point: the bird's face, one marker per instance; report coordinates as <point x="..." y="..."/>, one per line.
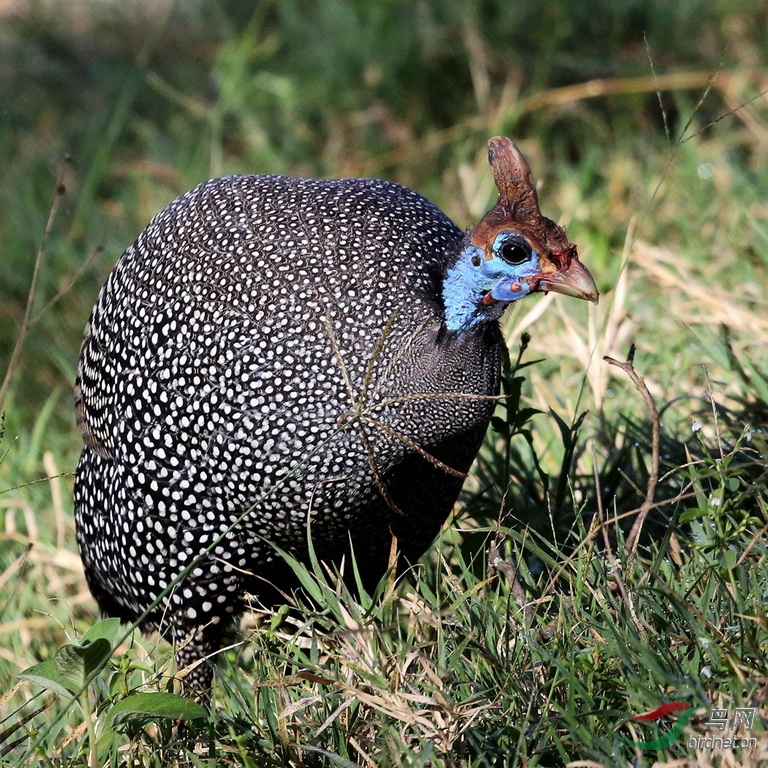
<point x="513" y="251"/>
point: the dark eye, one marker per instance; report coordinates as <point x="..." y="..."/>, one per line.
<point x="515" y="250"/>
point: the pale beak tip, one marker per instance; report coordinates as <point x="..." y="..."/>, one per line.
<point x="575" y="281"/>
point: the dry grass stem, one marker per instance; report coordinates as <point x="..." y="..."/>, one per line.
<point x="58" y="196"/>
<point x="653" y="471"/>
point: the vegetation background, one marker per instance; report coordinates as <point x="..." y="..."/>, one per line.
<point x="646" y="125"/>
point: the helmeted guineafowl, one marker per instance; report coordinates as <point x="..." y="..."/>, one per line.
<point x="274" y="356"/>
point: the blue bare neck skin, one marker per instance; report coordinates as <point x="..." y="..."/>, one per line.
<point x="472" y="277"/>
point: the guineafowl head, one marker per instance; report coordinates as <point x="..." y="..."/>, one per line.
<point x="513" y="251"/>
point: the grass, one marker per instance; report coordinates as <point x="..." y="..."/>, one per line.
<point x="530" y="633"/>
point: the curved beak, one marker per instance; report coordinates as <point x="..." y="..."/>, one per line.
<point x="574" y="281"/>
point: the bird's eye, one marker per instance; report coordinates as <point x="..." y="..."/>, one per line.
<point x="515" y="251"/>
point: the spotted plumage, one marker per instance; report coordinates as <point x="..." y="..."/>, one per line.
<point x="274" y="356"/>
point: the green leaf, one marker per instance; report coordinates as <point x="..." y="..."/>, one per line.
<point x="500" y="426"/>
<point x="46" y="674"/>
<point x="305" y="577"/>
<point x="72" y="665"/>
<point x="333" y="759"/>
<point x="151" y="706"/>
<point x="524" y="415"/>
<point x="565" y="428"/>
<point x="279" y="616"/>
<point x="729" y="558"/>
<point x="106" y="629"/>
<point x="691" y="514"/>
<point x="76" y="663"/>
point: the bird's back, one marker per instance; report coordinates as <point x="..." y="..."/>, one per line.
<point x="269" y="358"/>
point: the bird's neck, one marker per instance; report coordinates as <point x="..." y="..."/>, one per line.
<point x="463" y="289"/>
<point x="461" y="298"/>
